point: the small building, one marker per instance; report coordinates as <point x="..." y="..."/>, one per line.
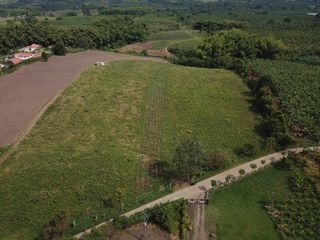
<point x="99" y="64"/>
<point x="14" y="61"/>
<point x="31" y="48"/>
<point x="312" y="14"/>
<point x="24" y="55"/>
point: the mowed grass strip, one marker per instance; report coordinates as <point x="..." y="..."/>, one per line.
<point x="89" y="141"/>
<point x="238" y="211"/>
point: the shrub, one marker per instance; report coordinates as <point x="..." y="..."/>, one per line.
<point x="229" y="178"/>
<point x="44" y="56"/>
<point x="216" y="160"/>
<point x="248" y="150"/>
<point x="84" y="43"/>
<point x="56" y="227"/>
<point x="120" y="222"/>
<point x="213" y="183"/>
<point x="145" y="52"/>
<point x="242" y="171"/>
<point x="253" y="166"/>
<point x="271" y="144"/>
<point x="71" y="14"/>
<point x="59" y="49"/>
<point x="189" y="159"/>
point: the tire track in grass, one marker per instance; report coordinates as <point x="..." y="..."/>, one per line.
<point x="150" y="147"/>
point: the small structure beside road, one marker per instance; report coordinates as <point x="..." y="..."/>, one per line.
<point x="24" y="53"/>
<point x="99" y="64"/>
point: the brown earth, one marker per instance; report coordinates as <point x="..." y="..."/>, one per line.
<point x="136" y="47"/>
<point x="141" y="46"/>
<point x="139" y="231"/>
<point x="26" y="91"/>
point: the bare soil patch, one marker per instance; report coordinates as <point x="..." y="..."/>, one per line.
<point x="26" y="91"/>
<point x="141" y="46"/>
<point x="160" y="53"/>
<point x="136" y="47"/>
<point x="139" y="231"/>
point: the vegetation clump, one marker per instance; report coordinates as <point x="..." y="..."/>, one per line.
<point x="191" y="159"/>
<point x="296" y="215"/>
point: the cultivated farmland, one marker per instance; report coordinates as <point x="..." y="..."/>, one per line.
<point x="298" y="87"/>
<point x="90" y="143"/>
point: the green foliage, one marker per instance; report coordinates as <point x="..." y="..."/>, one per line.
<point x="171" y="216"/>
<point x="210" y="26"/>
<point x="174" y="218"/>
<point x="106" y="33"/>
<point x="248" y="150"/>
<point x="297" y="88"/>
<point x="225" y="47"/>
<point x="71" y="14"/>
<point x="59" y="49"/>
<point x="134" y="11"/>
<point x="189" y="159"/>
<point x="84" y="42"/>
<point x="270" y="144"/>
<point x="216" y="160"/>
<point x="44" y="56"/>
<point x="242" y="171"/>
<point x="213" y="183"/>
<point x="253" y="166"/>
<point x="56" y="227"/>
<point x="297" y="215"/>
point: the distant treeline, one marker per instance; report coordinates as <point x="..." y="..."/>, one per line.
<point x="135" y="11"/>
<point x="212" y="26"/>
<point x="106" y="33"/>
<point x="230" y="49"/>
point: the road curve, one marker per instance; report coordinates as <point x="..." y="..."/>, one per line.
<point x="26" y="91"/>
<point x="198" y="189"/>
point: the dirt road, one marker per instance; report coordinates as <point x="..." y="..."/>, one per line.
<point x="26" y="91"/>
<point x="199" y="189"/>
<point x="197" y="216"/>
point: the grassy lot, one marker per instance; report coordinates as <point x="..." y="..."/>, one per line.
<point x="75" y="21"/>
<point x="90" y="141"/>
<point x="238" y="211"/>
<point x="179" y="38"/>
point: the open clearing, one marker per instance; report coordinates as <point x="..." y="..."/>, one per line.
<point x="90" y="141"/>
<point x="27" y="90"/>
<point x="237" y="212"/>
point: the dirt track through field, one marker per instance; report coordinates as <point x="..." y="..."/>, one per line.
<point x="26" y="91"/>
<point x="197" y="215"/>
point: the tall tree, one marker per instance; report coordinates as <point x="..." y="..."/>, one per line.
<point x="189" y="159"/>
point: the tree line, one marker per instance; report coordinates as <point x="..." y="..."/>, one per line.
<point x="103" y="34"/>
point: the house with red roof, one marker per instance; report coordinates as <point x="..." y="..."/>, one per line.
<point x="24" y="55"/>
<point x="31" y="48"/>
<point x="14" y="61"/>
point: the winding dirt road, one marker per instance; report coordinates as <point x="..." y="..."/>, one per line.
<point x="24" y="93"/>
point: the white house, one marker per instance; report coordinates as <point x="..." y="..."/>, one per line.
<point x="32" y="48"/>
<point x="24" y="55"/>
<point x="312" y="14"/>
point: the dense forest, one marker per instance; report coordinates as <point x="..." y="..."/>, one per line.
<point x="106" y="33"/>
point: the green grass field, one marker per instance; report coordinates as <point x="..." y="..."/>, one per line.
<point x="184" y="39"/>
<point x="238" y="211"/>
<point x="90" y="140"/>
